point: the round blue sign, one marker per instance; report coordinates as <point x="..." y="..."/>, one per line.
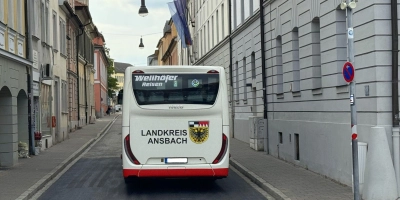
<point x="348" y="72"/>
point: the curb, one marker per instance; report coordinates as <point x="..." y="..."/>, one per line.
<point x="273" y="191"/>
<point x="48" y="177"/>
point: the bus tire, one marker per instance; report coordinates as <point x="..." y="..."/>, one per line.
<point x="130" y="180"/>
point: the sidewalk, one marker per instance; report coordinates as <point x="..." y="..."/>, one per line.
<point x="23" y="180"/>
<point x="283" y="180"/>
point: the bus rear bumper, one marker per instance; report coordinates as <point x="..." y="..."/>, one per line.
<point x="176" y="173"/>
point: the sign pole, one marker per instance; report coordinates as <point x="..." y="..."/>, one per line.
<point x="353" y="107"/>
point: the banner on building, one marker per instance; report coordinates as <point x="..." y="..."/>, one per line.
<point x="177" y="9"/>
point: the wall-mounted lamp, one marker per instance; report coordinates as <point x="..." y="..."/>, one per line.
<point x="143" y="10"/>
<point x="351" y="5"/>
<point x="141" y="46"/>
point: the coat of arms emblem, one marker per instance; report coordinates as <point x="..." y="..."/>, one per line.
<point x="198" y="131"/>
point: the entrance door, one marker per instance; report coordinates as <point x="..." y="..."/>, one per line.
<point x="57" y="108"/>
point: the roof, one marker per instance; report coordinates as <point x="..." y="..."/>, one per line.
<point x="120" y="67"/>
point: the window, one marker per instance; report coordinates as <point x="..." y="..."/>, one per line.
<point x="64" y="103"/>
<point x="279" y="70"/>
<point x="253" y="65"/>
<point x="223" y="21"/>
<point x="237" y="82"/>
<point x="296" y="146"/>
<point x="11" y="41"/>
<point x="184" y="89"/>
<point x="2" y="36"/>
<point x="96" y="75"/>
<point x="204" y="40"/>
<point x="217" y="22"/>
<point x="11" y="14"/>
<point x="47" y="22"/>
<point x="63" y="37"/>
<point x="233" y="15"/>
<point x="55" y="45"/>
<point x="208" y="37"/>
<point x="280" y="138"/>
<point x="295" y="61"/>
<point x="239" y="12"/>
<point x="244" y="79"/>
<point x="246" y="9"/>
<point x="43" y="21"/>
<point x="212" y="30"/>
<point x="2" y="13"/>
<point x="316" y="54"/>
<point x="256" y="6"/>
<point x="201" y="43"/>
<point x="20" y="46"/>
<point x="19" y="15"/>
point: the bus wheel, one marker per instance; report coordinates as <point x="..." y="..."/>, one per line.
<point x="130" y="180"/>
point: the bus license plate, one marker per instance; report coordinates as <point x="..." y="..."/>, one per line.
<point x="176" y="160"/>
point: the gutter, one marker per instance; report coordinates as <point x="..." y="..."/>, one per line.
<point x="231" y="70"/>
<point x="264" y="76"/>
<point x="395" y="93"/>
<point x="29" y="69"/>
<point x="395" y="67"/>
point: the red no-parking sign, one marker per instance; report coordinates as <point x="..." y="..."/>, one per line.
<point x="348" y="72"/>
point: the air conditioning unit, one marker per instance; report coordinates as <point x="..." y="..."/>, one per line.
<point x="47" y="72"/>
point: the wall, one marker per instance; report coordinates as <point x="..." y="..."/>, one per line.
<point x="246" y="57"/>
<point x="312" y="100"/>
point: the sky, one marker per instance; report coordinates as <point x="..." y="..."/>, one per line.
<point x="121" y="26"/>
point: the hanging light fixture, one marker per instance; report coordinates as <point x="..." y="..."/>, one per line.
<point x="141" y="46"/>
<point x="143" y="10"/>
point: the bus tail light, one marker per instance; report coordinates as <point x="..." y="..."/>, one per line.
<point x="223" y="149"/>
<point x="213" y="72"/>
<point x="128" y="151"/>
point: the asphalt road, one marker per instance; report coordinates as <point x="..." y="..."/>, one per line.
<point x="98" y="175"/>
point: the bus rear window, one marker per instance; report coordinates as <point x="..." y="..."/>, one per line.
<point x="175" y="88"/>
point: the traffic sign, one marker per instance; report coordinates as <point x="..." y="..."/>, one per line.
<point x="348" y="72"/>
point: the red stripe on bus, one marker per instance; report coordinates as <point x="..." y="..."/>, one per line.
<point x="221" y="172"/>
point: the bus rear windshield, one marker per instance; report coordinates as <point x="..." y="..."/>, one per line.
<point x="175" y="88"/>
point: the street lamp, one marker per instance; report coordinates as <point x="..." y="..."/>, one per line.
<point x="143" y="10"/>
<point x="141" y="46"/>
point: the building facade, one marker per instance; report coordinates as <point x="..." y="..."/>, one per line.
<point x="286" y="60"/>
<point x="208" y="22"/>
<point x="100" y="77"/>
<point x="14" y="73"/>
<point x="85" y="68"/>
<point x="167" y="45"/>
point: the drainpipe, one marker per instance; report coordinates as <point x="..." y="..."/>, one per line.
<point x="77" y="68"/>
<point x="86" y="103"/>
<point x="395" y="92"/>
<point x="29" y="70"/>
<point x="231" y="69"/>
<point x="264" y="75"/>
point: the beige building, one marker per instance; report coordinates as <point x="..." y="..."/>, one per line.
<point x="14" y="66"/>
<point x="120" y="73"/>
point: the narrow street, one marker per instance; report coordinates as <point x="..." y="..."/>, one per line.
<point x="98" y="175"/>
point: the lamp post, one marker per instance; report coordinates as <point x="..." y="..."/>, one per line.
<point x="349" y="5"/>
<point x="141" y="46"/>
<point x="143" y="10"/>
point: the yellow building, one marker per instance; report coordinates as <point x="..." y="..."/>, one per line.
<point x="120" y="73"/>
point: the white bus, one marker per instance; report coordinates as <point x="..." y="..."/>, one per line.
<point x="175" y="122"/>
